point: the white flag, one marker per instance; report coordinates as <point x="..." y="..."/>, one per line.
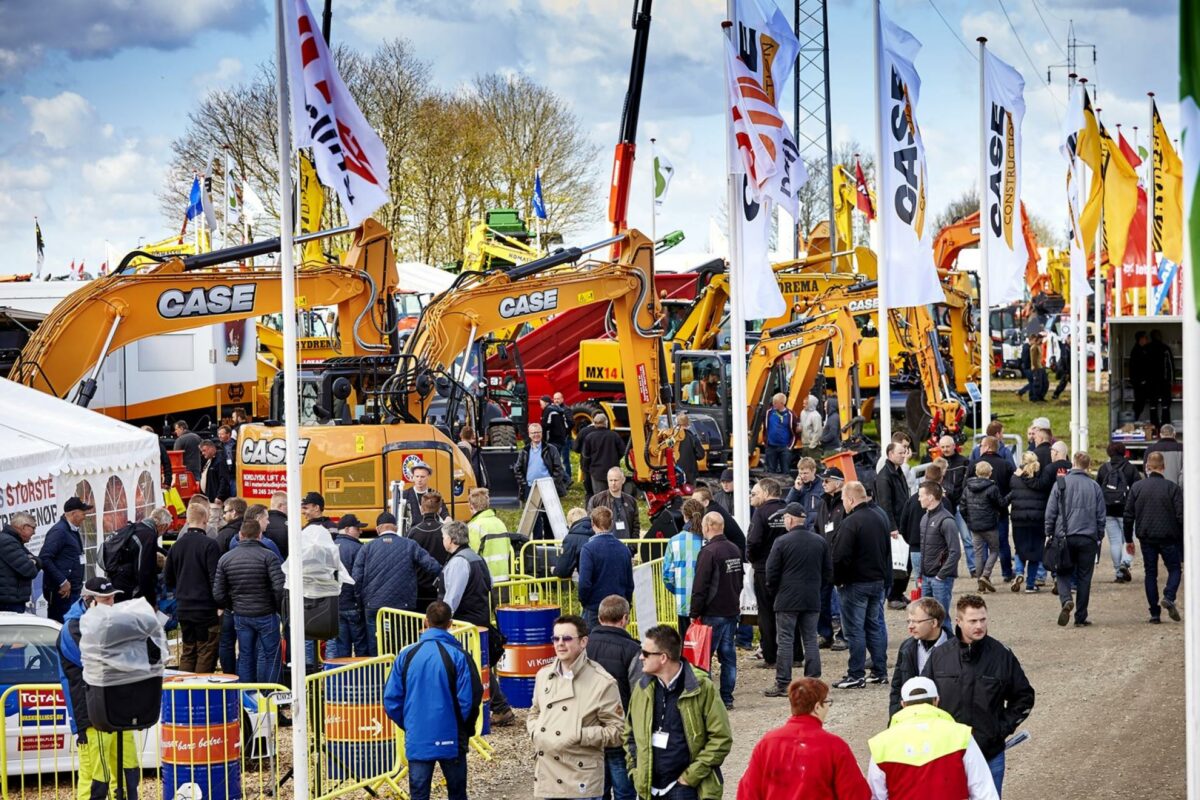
<point x="762" y="152"/>
<point x="663" y="172"/>
<point x="1072" y="124"/>
<point x="907" y="270"/>
<point x="1004" y="109"/>
<point x="349" y="156"/>
<point x="253" y="205"/>
<point x="206" y="201"/>
<point x="233" y="200"/>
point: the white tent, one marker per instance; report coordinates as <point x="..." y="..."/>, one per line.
<point x="421" y="278"/>
<point x="53" y="450"/>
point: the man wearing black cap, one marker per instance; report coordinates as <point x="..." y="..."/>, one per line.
<point x="387" y="572"/>
<point x="797" y="569"/>
<point x="62" y="559"/>
<point x="97" y="751"/>
<point x="766" y="525"/>
<point x="723" y="496"/>
<point x="829" y="516"/>
<point x="312" y="508"/>
<point x="421" y="473"/>
<point x="352" y="630"/>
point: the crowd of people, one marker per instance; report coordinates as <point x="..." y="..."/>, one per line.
<point x="823" y="557"/>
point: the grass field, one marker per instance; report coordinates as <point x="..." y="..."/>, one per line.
<point x="1014" y="411"/>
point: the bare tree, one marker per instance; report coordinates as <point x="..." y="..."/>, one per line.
<point x="966" y="204"/>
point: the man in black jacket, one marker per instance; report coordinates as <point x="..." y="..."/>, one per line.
<point x="214" y="475"/>
<point x="611" y="646"/>
<point x="799" y="565"/>
<point x="421" y="473"/>
<point x="766" y="525"/>
<point x="891" y="493"/>
<point x="233" y="513"/>
<point x="18" y="567"/>
<point x="624" y="508"/>
<point x="140" y="579"/>
<point x="190" y="570"/>
<point x="981" y="683"/>
<point x="716" y="597"/>
<point x="926" y="630"/>
<point x="428" y="533"/>
<point x="557" y="427"/>
<point x="250" y="582"/>
<point x="830" y="512"/>
<point x="277" y="523"/>
<point x="733" y="531"/>
<point x="1002" y="472"/>
<point x="953" y="482"/>
<point x="1154" y="511"/>
<point x="602" y="450"/>
<point x="862" y="563"/>
<point x="578" y="532"/>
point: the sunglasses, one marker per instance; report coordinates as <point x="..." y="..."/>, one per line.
<point x="651" y="653"/>
<point x="919" y="621"/>
<point x="563" y="639"/>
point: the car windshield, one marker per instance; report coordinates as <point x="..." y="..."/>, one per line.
<point x="28" y="654"/>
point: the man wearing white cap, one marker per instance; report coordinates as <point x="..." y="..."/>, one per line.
<point x="925" y="754"/>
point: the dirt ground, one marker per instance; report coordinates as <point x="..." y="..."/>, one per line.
<point x="1108" y="721"/>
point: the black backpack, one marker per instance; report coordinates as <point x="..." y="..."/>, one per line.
<point x="119" y="557"/>
<point x="1115" y="487"/>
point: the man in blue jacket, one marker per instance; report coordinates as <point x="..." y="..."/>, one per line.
<point x="385" y="575"/>
<point x="434" y="695"/>
<point x="780" y="435"/>
<point x="605" y="567"/>
<point x="62" y="559"/>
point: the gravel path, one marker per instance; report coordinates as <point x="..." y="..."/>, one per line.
<point x="1108" y="721"/>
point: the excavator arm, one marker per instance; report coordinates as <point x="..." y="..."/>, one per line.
<point x="480" y="303"/>
<point x="127" y="306"/>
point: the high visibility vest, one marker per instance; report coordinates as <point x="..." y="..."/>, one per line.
<point x="497" y="549"/>
<point x="921" y="754"/>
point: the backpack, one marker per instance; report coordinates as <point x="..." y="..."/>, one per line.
<point x="1115" y="487"/>
<point x="119" y="557"/>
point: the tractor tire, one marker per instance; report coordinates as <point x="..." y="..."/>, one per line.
<point x="581" y="415"/>
<point x="502" y="434"/>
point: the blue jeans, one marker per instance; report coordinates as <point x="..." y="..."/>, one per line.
<point x="564" y="450"/>
<point x="1021" y="568"/>
<point x="942" y="590"/>
<point x="372" y="642"/>
<point x="352" y="636"/>
<point x="725" y="650"/>
<point x="1006" y="561"/>
<point x="258" y="648"/>
<point x="454" y="770"/>
<point x="777" y="458"/>
<point x="16" y="608"/>
<point x="862" y="607"/>
<point x="1114" y="528"/>
<point x="915" y="556"/>
<point x="996" y="766"/>
<point x="1172" y="556"/>
<point x="617" y="783"/>
<point x="227" y="645"/>
<point x="745" y="636"/>
<point x="968" y="543"/>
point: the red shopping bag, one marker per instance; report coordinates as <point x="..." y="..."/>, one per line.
<point x="697" y="646"/>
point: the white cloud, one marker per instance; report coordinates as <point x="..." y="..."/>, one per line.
<point x="129" y="172"/>
<point x="62" y="120"/>
<point x="227" y="71"/>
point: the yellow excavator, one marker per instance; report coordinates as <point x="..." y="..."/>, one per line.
<point x="371" y="406"/>
<point x="66" y="353"/>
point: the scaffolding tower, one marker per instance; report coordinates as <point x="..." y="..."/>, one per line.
<point x="814" y="131"/>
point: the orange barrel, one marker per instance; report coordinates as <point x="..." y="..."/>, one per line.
<point x="485" y="675"/>
<point x="358" y="734"/>
<point x="843" y="460"/>
<point x="202" y="739"/>
<point x="527" y="630"/>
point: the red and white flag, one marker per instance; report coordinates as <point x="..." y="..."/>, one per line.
<point x="862" y="192"/>
<point x="349" y="156"/>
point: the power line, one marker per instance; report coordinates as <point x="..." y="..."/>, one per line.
<point x="1038" y="9"/>
<point x="1029" y="58"/>
<point x="953" y="32"/>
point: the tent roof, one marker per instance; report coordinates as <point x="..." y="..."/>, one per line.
<point x="42" y="429"/>
<point x="422" y="278"/>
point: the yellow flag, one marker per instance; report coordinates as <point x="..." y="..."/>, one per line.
<point x="1120" y="198"/>
<point x="312" y="205"/>
<point x="1091" y="153"/>
<point x="844" y="195"/>
<point x="1168" y="194"/>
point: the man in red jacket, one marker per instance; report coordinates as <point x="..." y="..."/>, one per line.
<point x="801" y="760"/>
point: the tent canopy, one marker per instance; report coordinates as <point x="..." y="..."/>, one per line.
<point x="422" y="278"/>
<point x="41" y="430"/>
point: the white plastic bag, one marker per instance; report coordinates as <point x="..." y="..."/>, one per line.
<point x="113" y="643"/>
<point x="324" y="572"/>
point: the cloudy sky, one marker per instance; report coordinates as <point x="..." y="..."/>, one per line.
<point x="93" y="91"/>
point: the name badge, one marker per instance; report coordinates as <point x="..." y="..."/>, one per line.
<point x="829" y="527"/>
<point x="82" y="560"/>
<point x="659" y="739"/>
<point x="621" y="525"/>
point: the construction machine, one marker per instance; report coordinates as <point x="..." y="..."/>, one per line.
<point x="66" y="354"/>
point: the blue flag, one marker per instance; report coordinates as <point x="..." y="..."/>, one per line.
<point x="195" y="201"/>
<point x="539" y="206"/>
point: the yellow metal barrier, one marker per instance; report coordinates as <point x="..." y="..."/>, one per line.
<point x="561" y="592"/>
<point x="538" y="557"/>
<point x="217" y="740"/>
<point x="351" y="742"/>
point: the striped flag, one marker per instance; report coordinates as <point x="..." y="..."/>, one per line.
<point x="41" y="246"/>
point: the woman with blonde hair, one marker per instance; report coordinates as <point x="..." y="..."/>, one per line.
<point x="1027" y="515"/>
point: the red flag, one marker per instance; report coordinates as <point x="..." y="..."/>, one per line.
<point x="71" y="269"/>
<point x="1135" y="246"/>
<point x="1128" y="152"/>
<point x="863" y="194"/>
<point x="104" y="268"/>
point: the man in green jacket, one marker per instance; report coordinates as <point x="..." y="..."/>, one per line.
<point x="677" y="731"/>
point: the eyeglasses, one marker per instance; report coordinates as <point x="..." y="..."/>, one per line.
<point x="827" y="702"/>
<point x="563" y="639"/>
<point x="651" y="653"/>
<point x="919" y="621"/>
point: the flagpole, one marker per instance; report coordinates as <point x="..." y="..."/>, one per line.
<point x="1074" y="198"/>
<point x="225" y="194"/>
<point x="740" y="429"/>
<point x="653" y="193"/>
<point x="880" y="234"/>
<point x="985" y="322"/>
<point x="1150" y="198"/>
<point x="291" y="404"/>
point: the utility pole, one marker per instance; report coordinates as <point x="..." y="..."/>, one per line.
<point x="812" y="120"/>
